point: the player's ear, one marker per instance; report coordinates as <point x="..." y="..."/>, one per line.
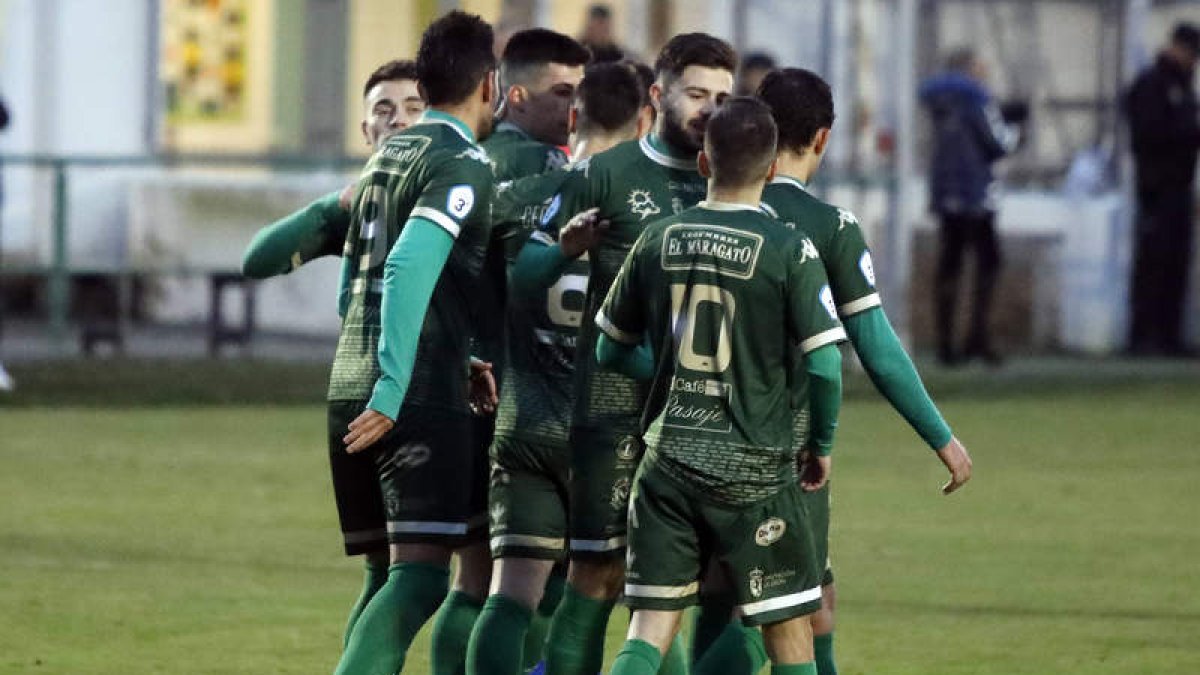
<point x="702" y="165"/>
<point x="572" y="120"/>
<point x="362" y="126"/>
<point x="516" y="95"/>
<point x="656" y="94"/>
<point x="771" y="169"/>
<point x="820" y="141"/>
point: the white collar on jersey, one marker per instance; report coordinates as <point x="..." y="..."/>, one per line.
<point x="788" y="180"/>
<point x="727" y="206"/>
<point x="659" y="157"/>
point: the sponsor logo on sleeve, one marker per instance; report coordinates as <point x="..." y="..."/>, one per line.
<point x="867" y="267"/>
<point x="460" y="201"/>
<point x="552" y="209"/>
<point x="827" y="301"/>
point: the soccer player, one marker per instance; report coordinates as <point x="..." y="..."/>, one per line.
<point x="802" y="106"/>
<point x="528" y="488"/>
<point x="723" y="292"/>
<point x="539" y="72"/>
<point x="627" y="187"/>
<point x="391" y="103"/>
<point x="419" y="230"/>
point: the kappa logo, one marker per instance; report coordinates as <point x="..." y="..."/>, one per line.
<point x="642" y="204"/>
<point x="756" y="582"/>
<point x="498" y="512"/>
<point x="770" y="531"/>
<point x="411" y="456"/>
<point x="867" y="267"/>
<point x="808" y="251"/>
<point x="845" y="217"/>
<point x="476" y="153"/>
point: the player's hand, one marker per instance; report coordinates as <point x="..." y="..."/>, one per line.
<point x="346" y="198"/>
<point x="582" y="232"/>
<point x="814" y="471"/>
<point x="367" y="428"/>
<point x="957" y="462"/>
<point x="481" y="388"/>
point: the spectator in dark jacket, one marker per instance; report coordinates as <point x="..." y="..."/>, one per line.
<point x="1165" y="131"/>
<point x="969" y="135"/>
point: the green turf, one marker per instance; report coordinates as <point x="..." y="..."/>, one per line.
<point x="203" y="539"/>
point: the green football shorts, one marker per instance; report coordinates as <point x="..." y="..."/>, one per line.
<point x="433" y="478"/>
<point x="527" y="499"/>
<point x="766" y="549"/>
<point x="602" y="468"/>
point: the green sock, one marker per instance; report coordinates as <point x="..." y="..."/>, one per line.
<point x="575" y="645"/>
<point x="712" y="617"/>
<point x="374" y="578"/>
<point x="539" y="624"/>
<point x="738" y="651"/>
<point x="637" y="657"/>
<point x="675" y="661"/>
<point x="451" y="632"/>
<point x="496" y="641"/>
<point x="809" y="668"/>
<point x="391" y="619"/>
<point x="823" y="652"/>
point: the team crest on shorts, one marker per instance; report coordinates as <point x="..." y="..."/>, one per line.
<point x="620" y="494"/>
<point x="756" y="582"/>
<point x="770" y="531"/>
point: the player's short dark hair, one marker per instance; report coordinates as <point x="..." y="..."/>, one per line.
<point x="959" y="59"/>
<point x="454" y="57"/>
<point x="645" y="76"/>
<point x="693" y="49"/>
<point x="599" y="10"/>
<point x="757" y="60"/>
<point x="397" y="69"/>
<point x="533" y="48"/>
<point x="801" y="103"/>
<point x="609" y="97"/>
<point x="740" y="142"/>
<point x="1187" y="35"/>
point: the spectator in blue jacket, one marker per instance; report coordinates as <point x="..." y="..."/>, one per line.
<point x="969" y="136"/>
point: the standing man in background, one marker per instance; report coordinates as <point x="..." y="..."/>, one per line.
<point x="969" y="136"/>
<point x="1165" y="133"/>
<point x="6" y="381"/>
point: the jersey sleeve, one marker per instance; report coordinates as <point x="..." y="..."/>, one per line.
<point x="850" y="269"/>
<point x="579" y="192"/>
<point x="458" y="194"/>
<point x="622" y="317"/>
<point x="812" y="314"/>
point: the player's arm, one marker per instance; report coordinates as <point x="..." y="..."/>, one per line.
<point x="852" y="276"/>
<point x="316" y="230"/>
<point x="621" y="345"/>
<point x="417" y="258"/>
<point x="543" y="259"/>
<point x="813" y="324"/>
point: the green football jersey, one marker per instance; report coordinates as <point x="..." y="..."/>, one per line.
<point x="839" y="239"/>
<point x="540" y="330"/>
<point x="736" y="292"/>
<point x="633" y="185"/>
<point x="432" y="170"/>
<point x="515" y="154"/>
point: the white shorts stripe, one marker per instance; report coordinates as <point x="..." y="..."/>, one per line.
<point x="615" y="333"/>
<point x="862" y="304"/>
<point x="821" y="339"/>
<point x="442" y="220"/>
<point x="597" y="545"/>
<point x="425" y="527"/>
<point x="528" y="541"/>
<point x="661" y="592"/>
<point x="782" y="602"/>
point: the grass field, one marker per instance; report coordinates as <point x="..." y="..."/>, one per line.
<point x="202" y="539"/>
